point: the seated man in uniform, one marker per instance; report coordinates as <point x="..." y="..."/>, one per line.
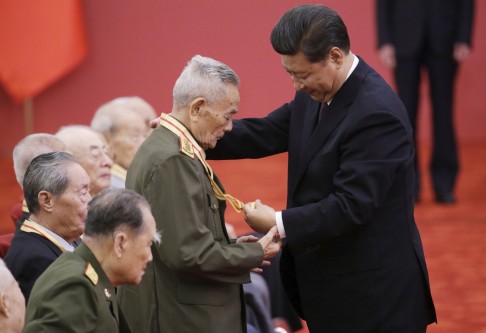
<point x="91" y="151"/>
<point x="124" y="130"/>
<point x="77" y="292"/>
<point x="56" y="190"/>
<point x="12" y="303"/>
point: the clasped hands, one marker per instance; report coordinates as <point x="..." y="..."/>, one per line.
<point x="261" y="218"/>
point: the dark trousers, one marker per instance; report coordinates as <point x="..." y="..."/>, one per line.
<point x="441" y="71"/>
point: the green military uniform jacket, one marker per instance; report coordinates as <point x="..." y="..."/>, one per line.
<point x="194" y="283"/>
<point x="74" y="295"/>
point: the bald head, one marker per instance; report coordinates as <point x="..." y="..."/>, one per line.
<point x="123" y="128"/>
<point x="91" y="151"/>
<point x="12" y="303"/>
<point x="134" y="103"/>
<point x="30" y="147"/>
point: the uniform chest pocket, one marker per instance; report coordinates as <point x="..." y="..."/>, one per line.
<point x="214" y="218"/>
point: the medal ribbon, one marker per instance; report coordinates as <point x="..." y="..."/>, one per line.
<point x="29" y="226"/>
<point x="178" y="129"/>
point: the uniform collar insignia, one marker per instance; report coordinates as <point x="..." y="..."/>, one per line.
<point x="91" y="273"/>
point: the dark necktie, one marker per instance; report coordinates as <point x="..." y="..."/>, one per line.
<point x="324" y="108"/>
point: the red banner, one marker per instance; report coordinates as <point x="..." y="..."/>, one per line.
<point x="40" y="41"/>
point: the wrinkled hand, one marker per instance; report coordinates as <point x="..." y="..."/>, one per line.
<point x="259" y="217"/>
<point x="265" y="263"/>
<point x="247" y="239"/>
<point x="271" y="243"/>
<point x="253" y="239"/>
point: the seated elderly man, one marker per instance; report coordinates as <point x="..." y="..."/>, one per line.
<point x="124" y="129"/>
<point x="77" y="292"/>
<point x="91" y="151"/>
<point x="56" y="190"/>
<point x="12" y="303"/>
<point x="24" y="152"/>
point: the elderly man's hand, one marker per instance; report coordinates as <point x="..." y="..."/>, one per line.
<point x="271" y="243"/>
<point x="259" y="217"/>
<point x="254" y="239"/>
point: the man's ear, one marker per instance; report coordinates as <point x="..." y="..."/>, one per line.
<point x="336" y="56"/>
<point x="3" y="305"/>
<point x="120" y="243"/>
<point x="196" y="106"/>
<point x="45" y="200"/>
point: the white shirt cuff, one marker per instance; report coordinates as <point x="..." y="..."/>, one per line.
<point x="280" y="226"/>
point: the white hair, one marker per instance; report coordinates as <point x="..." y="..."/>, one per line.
<point x="203" y="77"/>
<point x="30" y="147"/>
<point x="104" y="119"/>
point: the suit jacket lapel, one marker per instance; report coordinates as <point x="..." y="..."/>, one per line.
<point x="328" y="123"/>
<point x="310" y="124"/>
<point x="332" y="118"/>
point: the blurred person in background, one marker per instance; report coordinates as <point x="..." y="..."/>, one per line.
<point x="124" y="130"/>
<point x="139" y="105"/>
<point x="434" y="35"/>
<point x="91" y="151"/>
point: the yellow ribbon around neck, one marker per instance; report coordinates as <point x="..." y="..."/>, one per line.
<point x="29" y="226"/>
<point x="190" y="147"/>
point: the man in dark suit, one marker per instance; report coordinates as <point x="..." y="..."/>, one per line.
<point x="435" y="35"/>
<point x="353" y="259"/>
<point x="77" y="292"/>
<point x="56" y="189"/>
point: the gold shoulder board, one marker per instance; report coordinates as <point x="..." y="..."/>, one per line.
<point x="91" y="273"/>
<point x="186" y="147"/>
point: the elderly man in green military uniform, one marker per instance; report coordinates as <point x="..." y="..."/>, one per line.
<point x="195" y="281"/>
<point x="77" y="292"/>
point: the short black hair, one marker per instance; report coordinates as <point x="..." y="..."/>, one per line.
<point x="311" y="29"/>
<point x="113" y="208"/>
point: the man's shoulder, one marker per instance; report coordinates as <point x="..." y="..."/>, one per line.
<point x="31" y="244"/>
<point x="67" y="267"/>
<point x="157" y="150"/>
<point x="158" y="146"/>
